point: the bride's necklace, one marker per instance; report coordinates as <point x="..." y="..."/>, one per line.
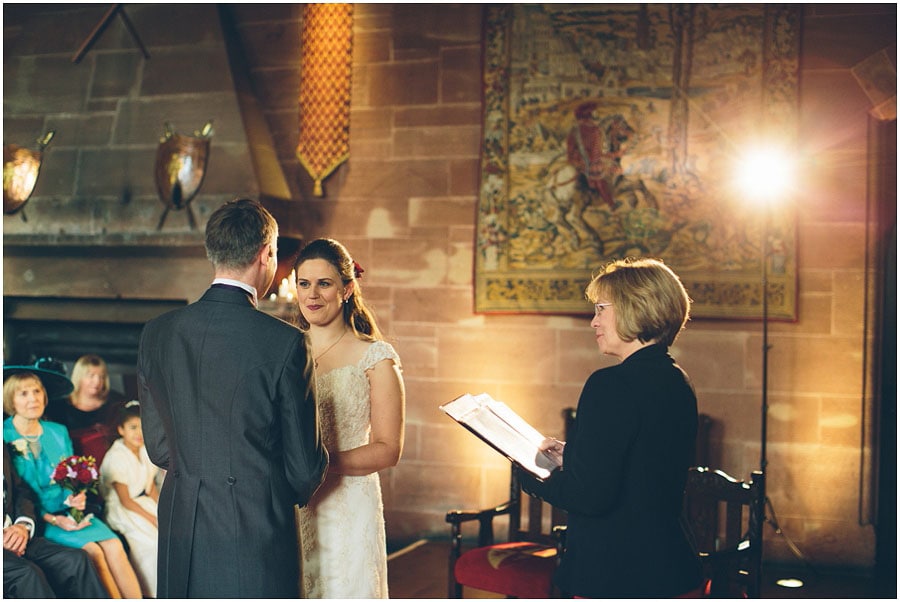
<point x="329" y="348"/>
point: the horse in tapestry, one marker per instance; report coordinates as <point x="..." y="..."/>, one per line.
<point x="590" y="172"/>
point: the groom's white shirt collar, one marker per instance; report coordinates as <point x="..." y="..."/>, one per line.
<point x="250" y="289"/>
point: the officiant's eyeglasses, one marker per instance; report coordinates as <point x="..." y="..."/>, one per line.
<point x="599" y="307"/>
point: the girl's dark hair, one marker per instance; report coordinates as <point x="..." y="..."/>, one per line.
<point x="127" y="411"/>
<point x="356" y="313"/>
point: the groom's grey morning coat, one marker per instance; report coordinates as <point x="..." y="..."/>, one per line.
<point x="228" y="409"/>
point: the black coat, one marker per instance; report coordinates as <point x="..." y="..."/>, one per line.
<point x="228" y="409"/>
<point x="623" y="480"/>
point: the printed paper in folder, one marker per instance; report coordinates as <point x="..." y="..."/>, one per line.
<point x="500" y="427"/>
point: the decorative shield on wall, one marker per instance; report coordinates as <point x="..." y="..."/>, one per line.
<point x="180" y="168"/>
<point x="21" y="167"/>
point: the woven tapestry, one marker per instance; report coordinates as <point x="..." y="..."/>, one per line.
<point x="326" y="62"/>
<point x="610" y="132"/>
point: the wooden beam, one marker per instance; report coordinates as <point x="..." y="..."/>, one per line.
<point x="115" y="9"/>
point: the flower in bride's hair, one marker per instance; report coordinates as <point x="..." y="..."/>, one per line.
<point x="357" y="270"/>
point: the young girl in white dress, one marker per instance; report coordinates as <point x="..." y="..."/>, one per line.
<point x="128" y="486"/>
<point x="361" y="402"/>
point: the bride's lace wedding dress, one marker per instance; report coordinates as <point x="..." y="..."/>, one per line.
<point x="341" y="530"/>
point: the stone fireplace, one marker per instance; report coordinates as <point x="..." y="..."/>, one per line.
<point x="65" y="300"/>
<point x="67" y="327"/>
<point x="88" y="259"/>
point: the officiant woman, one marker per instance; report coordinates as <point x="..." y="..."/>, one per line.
<point x="625" y="466"/>
<point x="38" y="445"/>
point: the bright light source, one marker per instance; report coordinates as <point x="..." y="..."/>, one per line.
<point x="764" y="174"/>
<point x="790" y="582"/>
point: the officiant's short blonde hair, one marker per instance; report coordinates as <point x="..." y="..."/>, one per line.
<point x="651" y="303"/>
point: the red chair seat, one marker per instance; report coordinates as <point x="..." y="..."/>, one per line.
<point x="521" y="569"/>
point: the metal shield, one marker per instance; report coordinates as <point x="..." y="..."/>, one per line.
<point x="180" y="169"/>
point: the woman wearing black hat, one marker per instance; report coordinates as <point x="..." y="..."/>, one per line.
<point x="38" y="446"/>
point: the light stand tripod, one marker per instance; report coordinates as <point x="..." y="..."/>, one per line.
<point x="763" y="461"/>
<point x="768" y="511"/>
<point x="776" y="166"/>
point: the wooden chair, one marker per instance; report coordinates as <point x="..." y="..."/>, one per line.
<point x="523" y="565"/>
<point x="724" y="518"/>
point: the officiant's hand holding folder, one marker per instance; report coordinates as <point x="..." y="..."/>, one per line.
<point x="499" y="426"/>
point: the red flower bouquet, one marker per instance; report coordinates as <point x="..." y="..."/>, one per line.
<point x="77" y="474"/>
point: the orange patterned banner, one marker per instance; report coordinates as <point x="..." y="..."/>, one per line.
<point x="326" y="61"/>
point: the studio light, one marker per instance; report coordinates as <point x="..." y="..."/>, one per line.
<point x="764" y="175"/>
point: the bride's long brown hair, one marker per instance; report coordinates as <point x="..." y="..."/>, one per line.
<point x="356" y="313"/>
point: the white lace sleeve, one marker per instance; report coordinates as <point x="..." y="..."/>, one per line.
<point x="377" y="351"/>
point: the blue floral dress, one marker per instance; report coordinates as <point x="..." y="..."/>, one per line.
<point x="36" y="470"/>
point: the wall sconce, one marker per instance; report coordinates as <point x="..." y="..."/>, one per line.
<point x="180" y="168"/>
<point x="20" y="172"/>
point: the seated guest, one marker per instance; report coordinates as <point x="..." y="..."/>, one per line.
<point x="128" y="485"/>
<point x="34" y="567"/>
<point x="91" y="411"/>
<point x="38" y="446"/>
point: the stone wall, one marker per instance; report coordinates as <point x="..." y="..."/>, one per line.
<point x="404" y="204"/>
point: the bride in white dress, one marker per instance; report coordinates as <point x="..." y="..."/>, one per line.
<point x="361" y="402"/>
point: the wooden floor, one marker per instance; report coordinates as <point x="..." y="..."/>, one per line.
<point x="419" y="571"/>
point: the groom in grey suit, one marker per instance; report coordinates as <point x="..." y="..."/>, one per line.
<point x="228" y="409"/>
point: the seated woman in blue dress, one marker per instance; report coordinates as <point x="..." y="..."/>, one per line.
<point x="39" y="446"/>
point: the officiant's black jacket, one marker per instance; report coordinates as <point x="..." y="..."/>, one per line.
<point x="622" y="482"/>
<point x="228" y="409"/>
